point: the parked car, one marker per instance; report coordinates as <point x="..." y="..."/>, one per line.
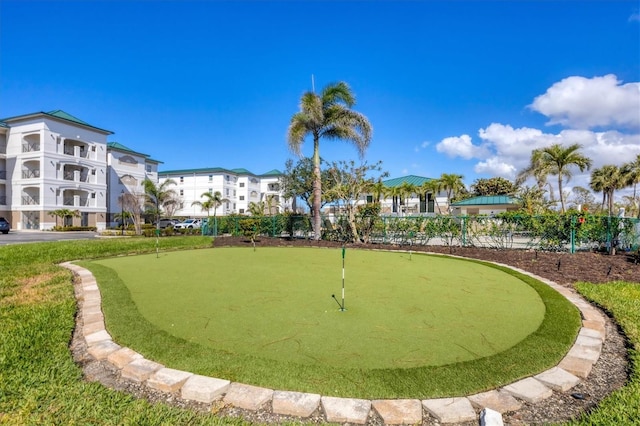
<point x="165" y="223"/>
<point x="188" y="224"/>
<point x="5" y="226"/>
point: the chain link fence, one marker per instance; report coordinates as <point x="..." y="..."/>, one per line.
<point x="552" y="232"/>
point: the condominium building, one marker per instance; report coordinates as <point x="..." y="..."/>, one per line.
<point x="127" y="170"/>
<point x="51" y="161"/>
<point x="238" y="188"/>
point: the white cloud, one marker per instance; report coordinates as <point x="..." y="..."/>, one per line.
<point x="422" y="146"/>
<point x="494" y="166"/>
<point x="635" y="17"/>
<point x="460" y="146"/>
<point x="584" y="103"/>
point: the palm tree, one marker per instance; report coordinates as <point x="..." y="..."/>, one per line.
<point x="433" y="186"/>
<point x="406" y="189"/>
<point x="451" y="183"/>
<point x="205" y="205"/>
<point x="558" y="160"/>
<point x="378" y="189"/>
<point x="607" y="179"/>
<point x="536" y="169"/>
<point x="632" y="173"/>
<point x="158" y="196"/>
<point x="327" y="115"/>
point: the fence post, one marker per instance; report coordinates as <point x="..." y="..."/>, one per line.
<point x="464" y="231"/>
<point x="609" y="234"/>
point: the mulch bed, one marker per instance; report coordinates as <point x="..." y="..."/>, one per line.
<point x="608" y="374"/>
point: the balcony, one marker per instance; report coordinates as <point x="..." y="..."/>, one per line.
<point x="76" y="176"/>
<point x="31" y="174"/>
<point x="80" y="151"/>
<point x="30" y="146"/>
<point x="30" y="201"/>
<point x="78" y="201"/>
<point x="3" y="174"/>
<point x="3" y="148"/>
<point x="3" y="200"/>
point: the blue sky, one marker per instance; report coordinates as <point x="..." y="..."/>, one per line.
<point x="467" y="87"/>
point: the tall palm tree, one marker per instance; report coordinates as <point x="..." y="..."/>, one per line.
<point x="607" y="179"/>
<point x="327" y="115"/>
<point x="378" y="190"/>
<point x="452" y="183"/>
<point x="558" y="161"/>
<point x="156" y="197"/>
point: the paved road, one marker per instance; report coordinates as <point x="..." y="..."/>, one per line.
<point x="17" y="237"/>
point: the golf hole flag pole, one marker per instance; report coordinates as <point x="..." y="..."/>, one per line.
<point x="342" y="307"/>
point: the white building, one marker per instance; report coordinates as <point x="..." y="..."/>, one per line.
<point x="239" y="187"/>
<point x="127" y="170"/>
<point x="50" y="161"/>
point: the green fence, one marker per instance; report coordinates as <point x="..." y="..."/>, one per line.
<point x="553" y="232"/>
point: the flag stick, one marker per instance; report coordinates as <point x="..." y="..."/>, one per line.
<point x="342" y="307"/>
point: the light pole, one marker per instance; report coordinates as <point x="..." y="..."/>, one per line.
<point x="122" y="210"/>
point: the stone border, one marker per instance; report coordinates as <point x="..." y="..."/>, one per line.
<point x="576" y="365"/>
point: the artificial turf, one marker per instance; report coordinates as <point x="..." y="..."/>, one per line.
<point x="267" y="318"/>
<point x="276" y="303"/>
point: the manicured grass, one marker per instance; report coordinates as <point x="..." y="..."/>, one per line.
<point x="541" y="349"/>
<point x="275" y="303"/>
<point x="622" y="300"/>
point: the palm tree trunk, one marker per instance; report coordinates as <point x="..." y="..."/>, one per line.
<point x="317" y="189"/>
<point x="560" y="192"/>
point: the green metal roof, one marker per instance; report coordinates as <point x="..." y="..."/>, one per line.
<point x="486" y="200"/>
<point x="3" y="124"/>
<point x="61" y="115"/>
<point x="120" y="147"/>
<point x="411" y="179"/>
<point x="274" y="172"/>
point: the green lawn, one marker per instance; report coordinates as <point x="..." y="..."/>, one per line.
<point x="423" y="327"/>
<point x="40" y="383"/>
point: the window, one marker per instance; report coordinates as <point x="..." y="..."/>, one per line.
<point x="181" y="179"/>
<point x="93" y="195"/>
<point x="234" y="192"/>
<point x="234" y="206"/>
<point x="210" y="190"/>
<point x="241" y="211"/>
<point x="210" y="178"/>
<point x="93" y="172"/>
<point x="181" y="192"/>
<point x="227" y="205"/>
<point x="148" y="168"/>
<point x="227" y="191"/>
<point x="242" y="198"/>
<point x="241" y="184"/>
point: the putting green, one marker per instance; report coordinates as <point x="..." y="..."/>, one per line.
<point x="275" y="303"/>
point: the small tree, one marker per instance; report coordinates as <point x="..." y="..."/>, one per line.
<point x="63" y="214"/>
<point x="157" y="197"/>
<point x="348" y="184"/>
<point x="132" y="208"/>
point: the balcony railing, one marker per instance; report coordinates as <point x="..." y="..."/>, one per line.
<point x="77" y="177"/>
<point x="30" y="174"/>
<point x="76" y="151"/>
<point x="30" y="201"/>
<point x="78" y="202"/>
<point x="30" y="147"/>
